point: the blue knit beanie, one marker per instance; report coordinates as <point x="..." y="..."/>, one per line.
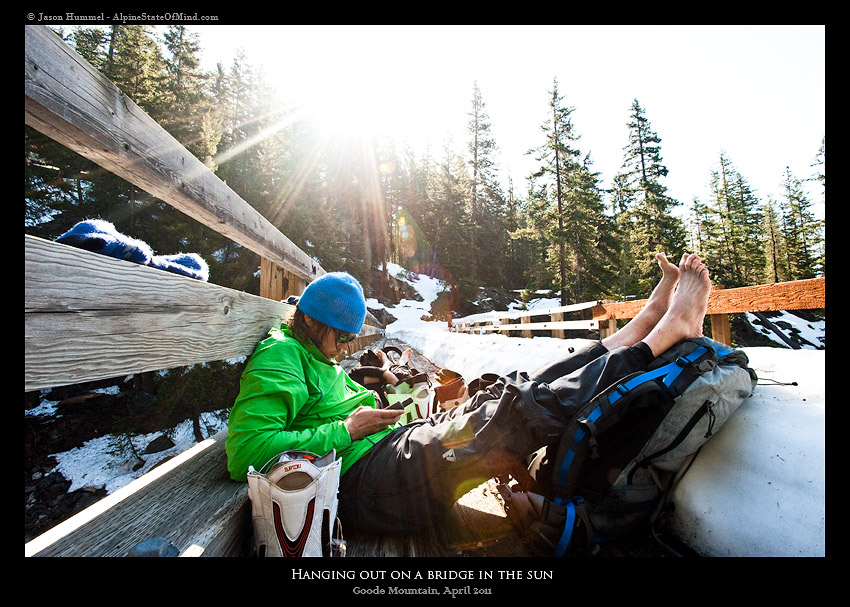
<point x="335" y="299"/>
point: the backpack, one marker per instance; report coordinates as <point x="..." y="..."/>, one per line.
<point x="621" y="455"/>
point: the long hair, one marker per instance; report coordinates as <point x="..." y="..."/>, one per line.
<point x="298" y="324"/>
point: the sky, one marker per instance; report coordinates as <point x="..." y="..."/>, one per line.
<point x="755" y="92"/>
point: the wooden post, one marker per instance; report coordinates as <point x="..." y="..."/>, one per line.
<point x="277" y="283"/>
<point x="559" y="333"/>
<point x="271" y="280"/>
<point x="720" y="328"/>
<point x="526" y="332"/>
<point x="295" y="285"/>
<point x="607" y="326"/>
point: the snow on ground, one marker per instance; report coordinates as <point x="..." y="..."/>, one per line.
<point x="757" y="488"/>
<point x="101" y="463"/>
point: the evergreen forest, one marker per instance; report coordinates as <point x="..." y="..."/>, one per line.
<point x="446" y="214"/>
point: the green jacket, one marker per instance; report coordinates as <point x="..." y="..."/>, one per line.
<point x="292" y="397"/>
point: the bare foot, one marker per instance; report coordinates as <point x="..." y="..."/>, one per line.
<point x="687" y="309"/>
<point x="655" y="308"/>
<point x="385" y="360"/>
<point x="389" y="377"/>
<point x="669" y="277"/>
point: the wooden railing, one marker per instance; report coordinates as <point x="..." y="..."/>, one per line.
<point x="88" y="316"/>
<point x="521" y="320"/>
<point x="153" y="320"/>
<point x="795" y="295"/>
<point x="71" y="102"/>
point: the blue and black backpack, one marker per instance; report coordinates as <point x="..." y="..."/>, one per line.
<point x="621" y="455"/>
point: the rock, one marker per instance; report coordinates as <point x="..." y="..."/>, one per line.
<point x="160" y="443"/>
<point x="383" y="316"/>
<point x="153" y="546"/>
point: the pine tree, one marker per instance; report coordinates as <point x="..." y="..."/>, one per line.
<point x="592" y="244"/>
<point x="446" y="220"/>
<point x="558" y="159"/>
<point x="135" y="65"/>
<point x="802" y="233"/>
<point x="92" y="44"/>
<point x="413" y="184"/>
<point x="529" y="237"/>
<point x="190" y="116"/>
<point x="820" y="176"/>
<point x="820" y="165"/>
<point x="648" y="222"/>
<point x="521" y="254"/>
<point x="622" y="198"/>
<point x="774" y="244"/>
<point x="732" y="238"/>
<point x="487" y="232"/>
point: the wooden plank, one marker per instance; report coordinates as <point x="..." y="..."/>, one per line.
<point x="71" y="102"/>
<point x="89" y="316"/>
<point x="795" y="295"/>
<point x="189" y="500"/>
<point x="546" y="326"/>
<point x="557" y="310"/>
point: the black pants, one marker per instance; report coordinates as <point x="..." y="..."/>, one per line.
<point x="411" y="478"/>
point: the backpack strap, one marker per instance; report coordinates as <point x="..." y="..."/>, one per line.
<point x="689" y="364"/>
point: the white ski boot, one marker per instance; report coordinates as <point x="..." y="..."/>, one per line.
<point x="294" y="505"/>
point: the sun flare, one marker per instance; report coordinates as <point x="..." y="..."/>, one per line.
<point x="350" y="117"/>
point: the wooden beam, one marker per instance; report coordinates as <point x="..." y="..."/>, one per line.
<point x="721" y="329"/>
<point x="74" y="104"/>
<point x="544" y="326"/>
<point x="89" y="316"/>
<point x="189" y="500"/>
<point x="558" y="333"/>
<point x="549" y="311"/>
<point x="607" y="327"/>
<point x="795" y="295"/>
